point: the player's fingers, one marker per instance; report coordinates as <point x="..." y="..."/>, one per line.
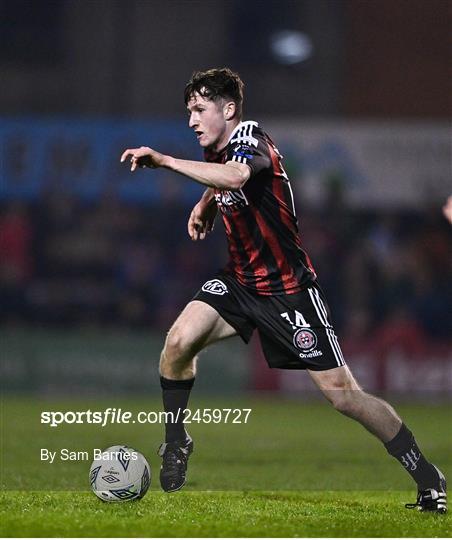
<point x="191" y="222"/>
<point x="201" y="231"/>
<point x="192" y="230"/>
<point x="198" y="227"/>
<point x="127" y="153"/>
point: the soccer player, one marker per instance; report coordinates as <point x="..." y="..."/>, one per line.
<point x="269" y="284"/>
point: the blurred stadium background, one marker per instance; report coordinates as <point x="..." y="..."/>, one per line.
<point x="95" y="264"/>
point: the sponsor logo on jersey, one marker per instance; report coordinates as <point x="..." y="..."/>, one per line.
<point x="215" y="286"/>
<point x="227" y="201"/>
<point x="305" y="339"/>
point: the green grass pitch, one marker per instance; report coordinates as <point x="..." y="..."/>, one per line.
<point x="296" y="469"/>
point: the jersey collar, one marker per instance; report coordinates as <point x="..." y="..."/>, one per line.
<point x="210" y="155"/>
<point x="239" y="126"/>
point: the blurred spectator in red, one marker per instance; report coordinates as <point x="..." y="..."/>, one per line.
<point x="16" y="265"/>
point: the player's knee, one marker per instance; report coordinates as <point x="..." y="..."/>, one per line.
<point x="180" y="369"/>
<point x="178" y="347"/>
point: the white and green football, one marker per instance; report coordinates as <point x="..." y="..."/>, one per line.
<point x="119" y="474"/>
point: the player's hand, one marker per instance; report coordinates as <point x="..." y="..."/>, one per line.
<point x="447" y="209"/>
<point x="201" y="221"/>
<point x="144" y="157"/>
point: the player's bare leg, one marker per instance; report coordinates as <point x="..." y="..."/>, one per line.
<point x="196" y="327"/>
<point x="340" y="388"/>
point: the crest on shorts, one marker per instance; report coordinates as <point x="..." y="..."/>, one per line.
<point x="215" y="286"/>
<point x="305" y="339"/>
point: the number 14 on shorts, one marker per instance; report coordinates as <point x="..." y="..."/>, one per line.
<point x="300" y="321"/>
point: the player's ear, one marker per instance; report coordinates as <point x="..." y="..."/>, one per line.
<point x="229" y="110"/>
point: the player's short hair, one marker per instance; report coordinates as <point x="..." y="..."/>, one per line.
<point x="216" y="84"/>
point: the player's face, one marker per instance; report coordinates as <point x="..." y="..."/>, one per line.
<point x="207" y="119"/>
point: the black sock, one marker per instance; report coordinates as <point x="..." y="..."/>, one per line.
<point x="175" y="399"/>
<point x="404" y="448"/>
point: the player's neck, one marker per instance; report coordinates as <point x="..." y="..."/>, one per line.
<point x="230" y="127"/>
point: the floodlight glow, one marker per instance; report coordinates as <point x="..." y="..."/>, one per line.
<point x="291" y="47"/>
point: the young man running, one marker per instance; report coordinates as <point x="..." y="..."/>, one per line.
<point x="269" y="284"/>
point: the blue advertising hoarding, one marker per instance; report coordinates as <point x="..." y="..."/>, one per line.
<point x="81" y="157"/>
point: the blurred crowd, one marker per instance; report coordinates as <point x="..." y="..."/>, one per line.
<point x="68" y="263"/>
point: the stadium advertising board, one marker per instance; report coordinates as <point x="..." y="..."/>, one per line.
<point x="378" y="163"/>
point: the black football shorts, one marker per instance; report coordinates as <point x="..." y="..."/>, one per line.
<point x="294" y="329"/>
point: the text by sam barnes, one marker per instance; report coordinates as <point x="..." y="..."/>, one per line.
<point x="64" y="454"/>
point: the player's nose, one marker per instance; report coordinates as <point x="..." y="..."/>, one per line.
<point x="193" y="122"/>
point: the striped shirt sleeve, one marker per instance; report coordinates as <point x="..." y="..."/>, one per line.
<point x="249" y="146"/>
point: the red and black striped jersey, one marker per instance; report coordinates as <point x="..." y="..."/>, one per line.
<point x="260" y="221"/>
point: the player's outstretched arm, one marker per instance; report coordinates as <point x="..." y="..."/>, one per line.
<point x="231" y="175"/>
<point x="202" y="217"/>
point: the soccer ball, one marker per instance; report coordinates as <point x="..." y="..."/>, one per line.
<point x="119" y="474"/>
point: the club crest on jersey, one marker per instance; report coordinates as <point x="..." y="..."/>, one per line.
<point x="215" y="286"/>
<point x="305" y="339"/>
<point x="227" y="201"/>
